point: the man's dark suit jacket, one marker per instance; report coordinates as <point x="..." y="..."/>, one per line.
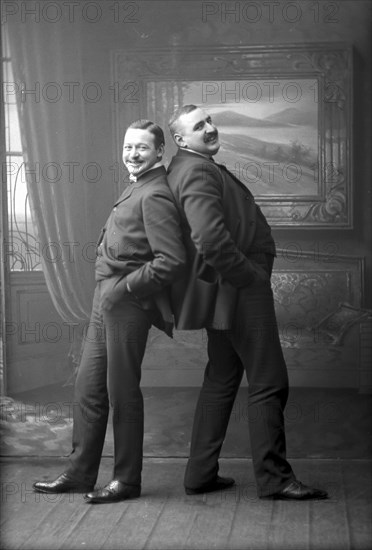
<point x="219" y="217"/>
<point x="142" y="245"/>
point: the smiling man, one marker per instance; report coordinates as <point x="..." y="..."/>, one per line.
<point x="140" y="253"/>
<point x="228" y="291"/>
<point x="142" y="150"/>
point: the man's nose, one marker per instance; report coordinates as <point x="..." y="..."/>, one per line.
<point x="134" y="153"/>
<point x="210" y="127"/>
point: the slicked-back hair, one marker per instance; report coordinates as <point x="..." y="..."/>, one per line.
<point x="184" y="110"/>
<point x="144" y="124"/>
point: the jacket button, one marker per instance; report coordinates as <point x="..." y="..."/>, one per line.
<point x="114" y="209"/>
<point x="247" y="197"/>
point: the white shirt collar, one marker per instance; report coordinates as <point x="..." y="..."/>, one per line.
<point x="133" y="178"/>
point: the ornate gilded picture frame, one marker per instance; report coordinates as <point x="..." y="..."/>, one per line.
<point x="284" y="115"/>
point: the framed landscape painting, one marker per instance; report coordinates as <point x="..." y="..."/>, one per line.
<point x="283" y="115"/>
<point x="268" y="131"/>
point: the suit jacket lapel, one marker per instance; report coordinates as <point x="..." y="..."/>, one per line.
<point x="234" y="178"/>
<point x="125" y="194"/>
<point x="147" y="177"/>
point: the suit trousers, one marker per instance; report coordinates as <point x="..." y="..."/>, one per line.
<point x="251" y="345"/>
<point x="109" y="380"/>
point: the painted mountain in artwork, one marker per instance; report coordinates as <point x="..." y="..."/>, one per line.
<point x="293" y="116"/>
<point x="286" y="117"/>
<point x="230" y="118"/>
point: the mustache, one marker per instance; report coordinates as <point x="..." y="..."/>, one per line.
<point x="211" y="135"/>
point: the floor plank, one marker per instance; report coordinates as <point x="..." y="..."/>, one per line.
<point x="357" y="497"/>
<point x="136" y="526"/>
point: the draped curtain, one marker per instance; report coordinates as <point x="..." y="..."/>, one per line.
<point x="47" y="65"/>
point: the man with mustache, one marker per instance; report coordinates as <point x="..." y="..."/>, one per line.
<point x="140" y="253"/>
<point x="228" y="291"/>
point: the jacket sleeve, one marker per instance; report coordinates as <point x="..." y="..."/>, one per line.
<point x="163" y="231"/>
<point x="201" y="197"/>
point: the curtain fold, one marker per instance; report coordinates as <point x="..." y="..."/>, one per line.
<point x="49" y="85"/>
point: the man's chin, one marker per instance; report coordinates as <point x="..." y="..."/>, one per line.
<point x="214" y="149"/>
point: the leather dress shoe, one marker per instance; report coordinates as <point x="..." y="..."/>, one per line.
<point x="113" y="492"/>
<point x="63" y="484"/>
<point x="218" y="484"/>
<point x="298" y="491"/>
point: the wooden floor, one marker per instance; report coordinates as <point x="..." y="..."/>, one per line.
<point x="165" y="518"/>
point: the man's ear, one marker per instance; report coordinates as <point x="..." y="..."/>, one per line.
<point x="160" y="151"/>
<point x="179" y="140"/>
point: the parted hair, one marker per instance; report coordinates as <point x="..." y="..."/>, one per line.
<point x="184" y="110"/>
<point x="144" y="124"/>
